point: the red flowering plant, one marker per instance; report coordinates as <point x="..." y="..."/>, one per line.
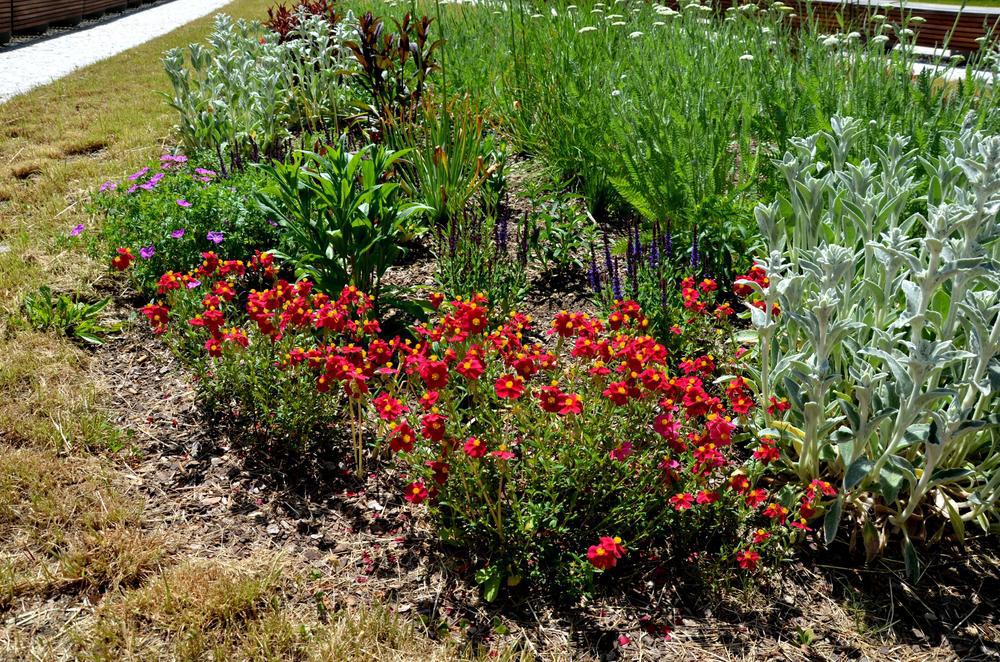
<point x="268" y="353"/>
<point x="555" y="454"/>
<point x="685" y="309"/>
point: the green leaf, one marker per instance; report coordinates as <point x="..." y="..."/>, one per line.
<point x="831" y="522"/>
<point x="857" y="472"/>
<point x="949" y="475"/>
<point x="911" y="560"/>
<point x="890" y="482"/>
<point x="490" y="579"/>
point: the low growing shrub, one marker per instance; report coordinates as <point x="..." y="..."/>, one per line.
<point x="541" y="459"/>
<point x="245" y="331"/>
<point x="166" y="217"/>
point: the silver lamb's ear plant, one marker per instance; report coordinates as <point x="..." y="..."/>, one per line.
<point x="885" y="273"/>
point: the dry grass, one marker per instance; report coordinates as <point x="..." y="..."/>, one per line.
<point x="248" y="610"/>
<point x="67" y="528"/>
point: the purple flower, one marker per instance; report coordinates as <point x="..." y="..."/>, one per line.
<point x="108" y="186"/>
<point x="215" y="237"/>
<point x="139" y="173"/>
<point x="169" y="160"/>
<point x="147" y="252"/>
<point x="133" y="188"/>
<point x="191" y="284"/>
<point x="616" y="283"/>
<point x="594" y="275"/>
<point x="75" y="232"/>
<point x="181" y="202"/>
<point x="153" y="181"/>
<point x="203" y="175"/>
<point x="177" y="234"/>
<point x="695" y="255"/>
<point x="273" y="223"/>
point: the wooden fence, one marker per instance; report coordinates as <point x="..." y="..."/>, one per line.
<point x="35" y="16"/>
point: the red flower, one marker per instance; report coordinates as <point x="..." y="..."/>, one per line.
<point x="777" y="405"/>
<point x="474" y="447"/>
<point x="122" y="261"/>
<point x="776" y="512"/>
<point x="429" y="399"/>
<point x="707" y="285"/>
<point x="682" y="501"/>
<point x="432" y="426"/>
<point x="755" y="498"/>
<point x="436" y="299"/>
<point x="214" y="346"/>
<point x="767" y="452"/>
<point x="817" y="487"/>
<point x="759" y="536"/>
<point x="550" y="398"/>
<point x="571" y="403"/>
<point x="157" y="315"/>
<point x="415" y="492"/>
<point x="434" y="374"/>
<point x="622" y="452"/>
<point x="503" y="453"/>
<point x="739" y="483"/>
<point x="606" y="553"/>
<point x="388" y="407"/>
<point x="470" y="368"/>
<point x="617" y="392"/>
<point x="440" y="469"/>
<point x="402" y="438"/>
<point x="667" y="427"/>
<point x="747" y="559"/>
<point x="509" y="386"/>
<point x="706" y="497"/>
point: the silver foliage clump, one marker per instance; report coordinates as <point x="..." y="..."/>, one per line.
<point x="243" y="85"/>
<point x="887" y="337"/>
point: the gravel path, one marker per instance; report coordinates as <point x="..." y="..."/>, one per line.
<point x="27" y="67"/>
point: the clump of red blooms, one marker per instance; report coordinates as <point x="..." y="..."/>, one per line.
<point x="606" y="382"/>
<point x="757" y="275"/>
<point x="122" y="260"/>
<point x="605" y="554"/>
<point x="692" y="294"/>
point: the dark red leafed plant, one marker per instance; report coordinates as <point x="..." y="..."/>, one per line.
<point x="395" y="65"/>
<point x="282" y="19"/>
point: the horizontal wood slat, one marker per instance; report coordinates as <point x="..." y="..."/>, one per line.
<point x="5" y="21"/>
<point x="36" y="14"/>
<point x="94" y="6"/>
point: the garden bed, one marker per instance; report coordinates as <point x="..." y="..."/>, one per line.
<point x="363" y="547"/>
<point x="500" y="345"/>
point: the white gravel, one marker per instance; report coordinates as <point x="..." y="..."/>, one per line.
<point x="24" y="68"/>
